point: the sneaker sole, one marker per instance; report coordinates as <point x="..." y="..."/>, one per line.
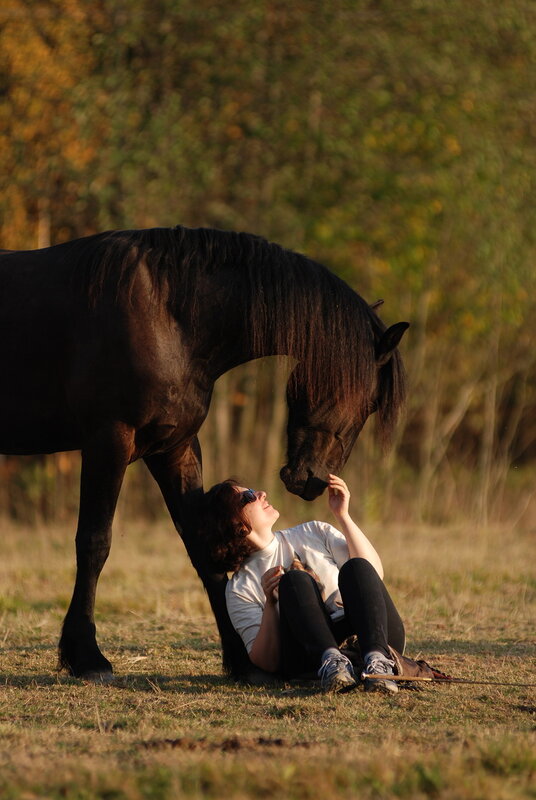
<point x="387" y="687"/>
<point x="340" y="687"/>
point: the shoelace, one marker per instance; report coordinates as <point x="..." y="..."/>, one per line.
<point x="332" y="664"/>
<point x="379" y="666"/>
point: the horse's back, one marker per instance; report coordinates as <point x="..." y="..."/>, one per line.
<point x="71" y="361"/>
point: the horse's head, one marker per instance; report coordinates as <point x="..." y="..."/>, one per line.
<point x="323" y="429"/>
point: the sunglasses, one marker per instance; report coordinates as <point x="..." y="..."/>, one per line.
<point x="249" y="496"/>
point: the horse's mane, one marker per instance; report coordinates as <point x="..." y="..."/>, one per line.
<point x="293" y="303"/>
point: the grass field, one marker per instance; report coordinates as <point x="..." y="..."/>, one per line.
<point x="173" y="726"/>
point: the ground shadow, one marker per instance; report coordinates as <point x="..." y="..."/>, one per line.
<point x="186" y="684"/>
<point x="36" y="680"/>
<point x="196" y="684"/>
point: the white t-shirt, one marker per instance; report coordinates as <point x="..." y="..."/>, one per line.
<point x="318" y="544"/>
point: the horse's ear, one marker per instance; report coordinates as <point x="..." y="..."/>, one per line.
<point x="389" y="342"/>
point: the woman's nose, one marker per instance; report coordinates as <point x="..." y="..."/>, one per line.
<point x="261" y="495"/>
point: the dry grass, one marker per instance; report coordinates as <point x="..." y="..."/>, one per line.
<point x="173" y="726"/>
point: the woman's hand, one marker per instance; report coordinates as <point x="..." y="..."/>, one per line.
<point x="270" y="582"/>
<point x="338" y="496"/>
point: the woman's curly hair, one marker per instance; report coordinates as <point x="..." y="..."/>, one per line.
<point x="224" y="527"/>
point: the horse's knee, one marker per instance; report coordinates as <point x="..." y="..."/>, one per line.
<point x="93" y="548"/>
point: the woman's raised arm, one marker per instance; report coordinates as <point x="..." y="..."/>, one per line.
<point x="358" y="544"/>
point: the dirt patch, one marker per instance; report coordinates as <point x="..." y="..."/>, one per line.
<point x="231" y="744"/>
<point x="528" y="709"/>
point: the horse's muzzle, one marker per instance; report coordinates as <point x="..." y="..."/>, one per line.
<point x="308" y="488"/>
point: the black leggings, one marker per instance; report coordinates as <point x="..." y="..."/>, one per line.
<point x="307" y="630"/>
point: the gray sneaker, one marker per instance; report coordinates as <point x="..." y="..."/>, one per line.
<point x="337" y="674"/>
<point x="378" y="664"/>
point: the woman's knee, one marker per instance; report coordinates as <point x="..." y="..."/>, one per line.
<point x="358" y="571"/>
<point x="357" y="565"/>
<point x="295" y="577"/>
<point x="295" y="581"/>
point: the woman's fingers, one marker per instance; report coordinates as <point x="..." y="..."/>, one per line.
<point x="271" y="574"/>
<point x="273" y="571"/>
<point x="334" y="482"/>
<point x="270" y="580"/>
<point x="338" y="495"/>
<point x="337" y="486"/>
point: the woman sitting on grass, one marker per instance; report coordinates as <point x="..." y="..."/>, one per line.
<point x="297" y="594"/>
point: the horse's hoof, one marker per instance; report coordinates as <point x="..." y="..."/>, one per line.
<point x="98" y="678"/>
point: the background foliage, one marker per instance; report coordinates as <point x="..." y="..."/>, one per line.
<point x="394" y="141"/>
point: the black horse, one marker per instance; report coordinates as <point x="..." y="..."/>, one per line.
<point x="111" y="344"/>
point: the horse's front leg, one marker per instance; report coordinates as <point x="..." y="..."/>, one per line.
<point x="179" y="476"/>
<point x="104" y="459"/>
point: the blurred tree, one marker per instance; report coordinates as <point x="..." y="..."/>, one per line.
<point x="394" y="142"/>
<point x="44" y="110"/>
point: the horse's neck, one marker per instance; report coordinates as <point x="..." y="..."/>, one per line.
<point x="249" y="310"/>
<point x="226" y="338"/>
<point x="229" y="343"/>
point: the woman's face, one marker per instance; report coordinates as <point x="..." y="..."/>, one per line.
<point x="259" y="513"/>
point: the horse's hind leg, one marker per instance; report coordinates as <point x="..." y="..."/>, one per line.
<point x="104" y="460"/>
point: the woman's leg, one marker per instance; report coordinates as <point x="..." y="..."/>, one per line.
<point x="368" y="608"/>
<point x="305" y="626"/>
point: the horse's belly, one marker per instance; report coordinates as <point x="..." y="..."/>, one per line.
<point x="26" y="431"/>
<point x="38" y="446"/>
<point x="34" y="410"/>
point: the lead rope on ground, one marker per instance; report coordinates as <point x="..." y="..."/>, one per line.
<point x="420" y="678"/>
